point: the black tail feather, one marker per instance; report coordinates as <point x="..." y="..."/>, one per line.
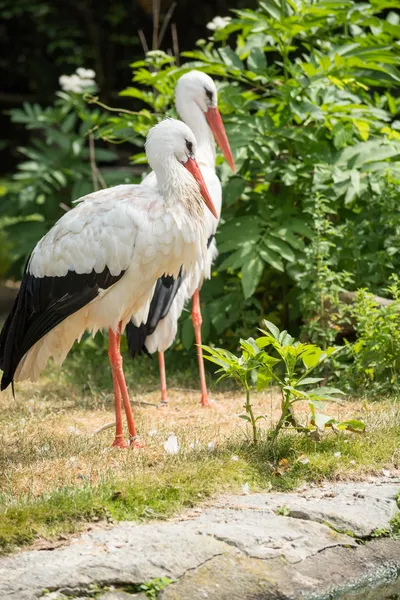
<point x="163" y="297"/>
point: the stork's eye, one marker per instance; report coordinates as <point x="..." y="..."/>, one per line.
<point x="209" y="94"/>
<point x="189" y="146"/>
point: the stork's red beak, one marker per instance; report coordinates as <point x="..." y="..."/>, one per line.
<point x="194" y="169"/>
<point x="217" y="127"/>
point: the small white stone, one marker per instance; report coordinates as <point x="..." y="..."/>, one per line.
<point x="337" y="454"/>
<point x="171" y="446"/>
<point x="211" y="446"/>
<point x="235" y="458"/>
<point x="245" y="488"/>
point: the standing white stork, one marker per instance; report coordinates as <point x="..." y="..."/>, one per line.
<point x="100" y="262"/>
<point x="197" y="105"/>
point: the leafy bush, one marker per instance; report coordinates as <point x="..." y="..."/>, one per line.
<point x="306" y="91"/>
<point x="290" y="371"/>
<point x="56" y="170"/>
<point x="306" y="97"/>
<point x="376" y="353"/>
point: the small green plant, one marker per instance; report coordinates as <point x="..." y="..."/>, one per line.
<point x="290" y="371"/>
<point x="376" y="352"/>
<point x="151" y="588"/>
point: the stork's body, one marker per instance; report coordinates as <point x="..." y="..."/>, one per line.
<point x="99" y="264"/>
<point x="196" y="103"/>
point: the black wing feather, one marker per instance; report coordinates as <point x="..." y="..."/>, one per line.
<point x="42" y="304"/>
<point x="163" y="297"/>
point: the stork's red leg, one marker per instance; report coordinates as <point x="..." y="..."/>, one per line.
<point x="119" y="431"/>
<point x="163" y="378"/>
<point x="118" y="374"/>
<point x="197" y="321"/>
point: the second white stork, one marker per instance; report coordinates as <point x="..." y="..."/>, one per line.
<point x="100" y="262"/>
<point x="197" y="105"/>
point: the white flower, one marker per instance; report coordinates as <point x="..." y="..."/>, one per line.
<point x="86" y="73"/>
<point x="337" y="454"/>
<point x="75" y="83"/>
<point x="171" y="446"/>
<point x="211" y="446"/>
<point x="235" y="458"/>
<point x="218" y="23"/>
<point x="245" y="488"/>
<point x="352" y="462"/>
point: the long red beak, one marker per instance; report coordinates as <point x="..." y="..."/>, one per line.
<point x="217" y="127"/>
<point x="193" y="168"/>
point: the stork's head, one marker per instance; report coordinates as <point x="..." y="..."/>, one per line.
<point x="200" y="88"/>
<point x="171" y="144"/>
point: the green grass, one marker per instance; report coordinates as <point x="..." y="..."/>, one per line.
<point x="54" y="481"/>
<point x="181" y="482"/>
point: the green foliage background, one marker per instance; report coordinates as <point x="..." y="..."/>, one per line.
<point x="309" y="95"/>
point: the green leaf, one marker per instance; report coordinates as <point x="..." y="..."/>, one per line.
<point x="230" y="58"/>
<point x="233" y="190"/>
<point x="271" y="257"/>
<point x="272" y="328"/>
<point x="352" y="425"/>
<point x="321" y="420"/>
<point x="312" y="357"/>
<point x="187" y="334"/>
<point x="256" y="60"/>
<point x="245" y="418"/>
<point x="309" y="381"/>
<point x="264" y="378"/>
<point x="251" y="275"/>
<point x="280" y="247"/>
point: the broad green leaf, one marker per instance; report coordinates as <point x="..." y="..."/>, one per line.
<point x="321" y="420"/>
<point x="363" y="129"/>
<point x="352" y="425"/>
<point x="251" y="275"/>
<point x="233" y="190"/>
<point x="250" y="346"/>
<point x="263" y="380"/>
<point x="257" y="60"/>
<point x="230" y="58"/>
<point x="187" y="334"/>
<point x="280" y="247"/>
<point x="271" y="257"/>
<point x="312" y="358"/>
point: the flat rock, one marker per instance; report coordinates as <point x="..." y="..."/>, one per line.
<point x="238" y="545"/>
<point x="124" y="554"/>
<point x="347" y="507"/>
<point x="265" y="535"/>
<point x="333" y="571"/>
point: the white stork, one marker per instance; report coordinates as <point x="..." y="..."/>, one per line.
<point x="197" y="105"/>
<point x="100" y="262"/>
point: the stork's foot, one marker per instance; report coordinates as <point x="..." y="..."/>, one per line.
<point x="119" y="442"/>
<point x="205" y="402"/>
<point x="164" y="402"/>
<point x="134" y="442"/>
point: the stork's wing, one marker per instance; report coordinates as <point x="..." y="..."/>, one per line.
<point x="88" y="250"/>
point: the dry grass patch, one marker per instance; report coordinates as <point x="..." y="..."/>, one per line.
<point x="56" y="472"/>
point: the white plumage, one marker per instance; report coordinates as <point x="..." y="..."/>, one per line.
<point x="196" y="101"/>
<point x="99" y="263"/>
